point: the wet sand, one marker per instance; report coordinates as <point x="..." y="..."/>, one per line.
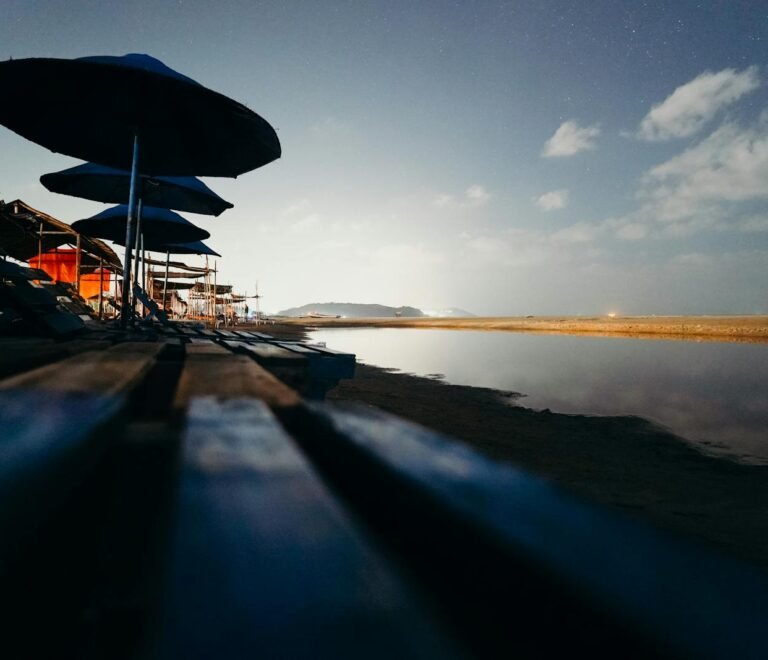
<point x="625" y="463"/>
<point x="717" y="328"/>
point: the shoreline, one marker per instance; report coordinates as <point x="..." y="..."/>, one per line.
<point x="624" y="463"/>
<point x="749" y="329"/>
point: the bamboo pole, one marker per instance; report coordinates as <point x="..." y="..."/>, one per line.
<point x="165" y="286"/>
<point x="77" y="265"/>
<point x="101" y="288"/>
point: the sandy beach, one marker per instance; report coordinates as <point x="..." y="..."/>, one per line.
<point x="625" y="463"/>
<point x="701" y="328"/>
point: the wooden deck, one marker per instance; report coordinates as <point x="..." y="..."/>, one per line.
<point x="184" y="493"/>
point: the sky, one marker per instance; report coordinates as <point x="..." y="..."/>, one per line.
<point x="506" y="158"/>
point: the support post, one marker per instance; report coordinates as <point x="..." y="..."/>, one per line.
<point x="101" y="289"/>
<point x="216" y="298"/>
<point x="78" y="258"/>
<point x="165" y="286"/>
<point x="129" y="235"/>
<point x="40" y="247"/>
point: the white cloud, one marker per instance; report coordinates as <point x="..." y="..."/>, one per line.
<point x="405" y="253"/>
<point x="297" y="206"/>
<point x="552" y="201"/>
<point x="570" y="139"/>
<point x="581" y="232"/>
<point x="305" y="223"/>
<point x="692" y="105"/>
<point x="704" y="188"/>
<point x="443" y="200"/>
<point x="730" y="165"/>
<point x="475" y="195"/>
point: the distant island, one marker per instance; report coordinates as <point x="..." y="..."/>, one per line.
<point x="364" y="310"/>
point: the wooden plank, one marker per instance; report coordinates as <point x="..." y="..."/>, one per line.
<point x="210" y="369"/>
<point x="261" y="335"/>
<point x="244" y="334"/>
<point x="263" y="351"/>
<point x="51" y="418"/>
<point x="323" y="365"/>
<point x="329" y="351"/>
<point x="264" y="563"/>
<point x="497" y="531"/>
<point x="107" y="372"/>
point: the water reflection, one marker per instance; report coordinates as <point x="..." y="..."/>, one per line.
<point x="712" y="394"/>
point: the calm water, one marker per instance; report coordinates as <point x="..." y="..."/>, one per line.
<point x="714" y="395"/>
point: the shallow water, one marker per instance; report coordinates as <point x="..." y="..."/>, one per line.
<point x="713" y="395"/>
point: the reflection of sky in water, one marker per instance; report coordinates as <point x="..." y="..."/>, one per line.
<point x="713" y="394"/>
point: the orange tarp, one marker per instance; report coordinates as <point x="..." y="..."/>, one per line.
<point x="61" y="265"/>
<point x="89" y="283"/>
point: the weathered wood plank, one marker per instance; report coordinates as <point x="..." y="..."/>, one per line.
<point x="51" y="418"/>
<point x="244" y="334"/>
<point x="267" y="352"/>
<point x="107" y="372"/>
<point x="324" y="365"/>
<point x="518" y="550"/>
<point x="265" y="564"/>
<point x="210" y="369"/>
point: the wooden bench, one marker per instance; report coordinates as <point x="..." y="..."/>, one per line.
<point x="240" y="520"/>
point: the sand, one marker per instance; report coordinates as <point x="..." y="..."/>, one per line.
<point x="717" y="328"/>
<point x="625" y="463"/>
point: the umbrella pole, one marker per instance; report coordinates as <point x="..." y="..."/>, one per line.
<point x="136" y="253"/>
<point x="129" y="228"/>
<point x="165" y="286"/>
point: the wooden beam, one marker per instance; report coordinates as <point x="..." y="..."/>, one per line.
<point x="210" y="369"/>
<point x="265" y="563"/>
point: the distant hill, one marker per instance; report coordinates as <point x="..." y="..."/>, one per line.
<point x="351" y="310"/>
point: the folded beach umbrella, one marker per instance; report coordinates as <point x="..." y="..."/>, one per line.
<point x="107" y="184"/>
<point x="133" y="112"/>
<point x="158" y="225"/>
<point x="195" y="247"/>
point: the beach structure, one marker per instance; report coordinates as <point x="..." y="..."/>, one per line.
<point x="119" y="111"/>
<point x="87" y="266"/>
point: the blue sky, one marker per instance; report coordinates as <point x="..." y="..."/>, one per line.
<point x="506" y="158"/>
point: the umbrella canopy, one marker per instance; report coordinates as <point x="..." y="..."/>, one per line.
<point x="107" y="184"/>
<point x="195" y="247"/>
<point x="92" y="107"/>
<point x="158" y="225"/>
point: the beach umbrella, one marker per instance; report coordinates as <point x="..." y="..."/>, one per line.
<point x="92" y="108"/>
<point x="158" y="225"/>
<point x="194" y="247"/>
<point x="100" y="183"/>
<point x="131" y="110"/>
